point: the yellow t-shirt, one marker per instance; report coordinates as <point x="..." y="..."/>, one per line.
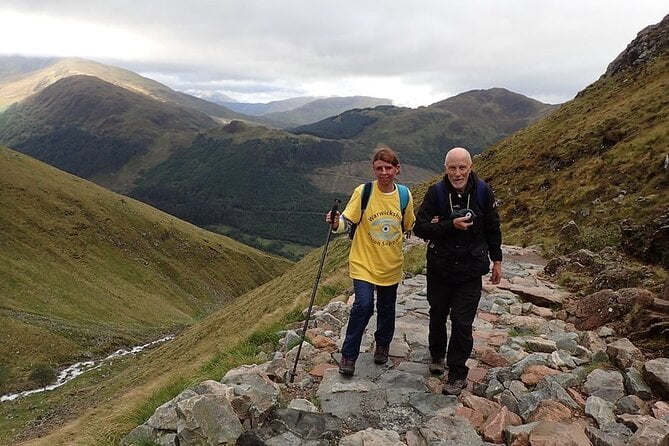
<point x="376" y="252"/>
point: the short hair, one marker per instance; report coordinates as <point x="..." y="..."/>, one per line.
<point x="459" y="149"/>
<point x="385" y="153"/>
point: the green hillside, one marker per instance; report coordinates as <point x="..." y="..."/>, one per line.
<point x="112" y="400"/>
<point x="476" y="119"/>
<point x="85" y="270"/>
<point x="89" y="127"/>
<point x="251" y="178"/>
<point x="598" y="160"/>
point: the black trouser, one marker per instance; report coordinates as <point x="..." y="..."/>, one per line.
<point x="461" y="301"/>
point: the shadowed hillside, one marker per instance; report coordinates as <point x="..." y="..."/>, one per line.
<point x="85" y="270"/>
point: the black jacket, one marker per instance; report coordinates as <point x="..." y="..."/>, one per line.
<point x="454" y="254"/>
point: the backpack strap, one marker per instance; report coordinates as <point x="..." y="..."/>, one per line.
<point x="404" y="199"/>
<point x="480" y="194"/>
<point x="441" y="196"/>
<point x="366" y="192"/>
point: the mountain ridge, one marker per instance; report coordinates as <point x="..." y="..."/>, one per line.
<point x="38" y="79"/>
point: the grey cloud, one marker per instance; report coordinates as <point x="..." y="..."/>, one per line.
<point x="551" y="48"/>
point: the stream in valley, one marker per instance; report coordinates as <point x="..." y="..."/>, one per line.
<point x="77" y="369"/>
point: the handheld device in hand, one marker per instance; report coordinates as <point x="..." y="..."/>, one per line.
<point x="463" y="213"/>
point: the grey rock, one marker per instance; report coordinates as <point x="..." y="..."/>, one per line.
<point x="536" y="344"/>
<point x="533" y="359"/>
<point x="508" y="400"/>
<point x="656" y="374"/>
<point x="290" y="427"/>
<point x="431" y="404"/>
<point x="606" y="384"/>
<point x="516" y="434"/>
<point x="565" y="341"/>
<point x="635" y="384"/>
<point x="255" y="394"/>
<point x="165" y="416"/>
<point x="624" y="354"/>
<point x="449" y="431"/>
<point x="207" y="420"/>
<point x="303" y="405"/>
<point x="494" y="387"/>
<point x="600" y="438"/>
<point x="631" y="404"/>
<point x="372" y="436"/>
<point x="601" y="410"/>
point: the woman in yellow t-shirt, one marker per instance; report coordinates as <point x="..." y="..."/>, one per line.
<point x="375" y="260"/>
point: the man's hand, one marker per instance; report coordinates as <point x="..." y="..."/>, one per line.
<point x="496" y="275"/>
<point x="462" y="223"/>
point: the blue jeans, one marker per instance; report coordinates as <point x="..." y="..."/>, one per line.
<point x="362" y="310"/>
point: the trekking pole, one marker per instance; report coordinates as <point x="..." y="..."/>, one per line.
<point x="313" y="291"/>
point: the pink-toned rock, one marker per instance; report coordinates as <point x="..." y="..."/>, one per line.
<point x="313" y="332"/>
<point x="493" y="428"/>
<point x="320" y="369"/>
<point x="550" y="410"/>
<point x="661" y="410"/>
<point x="577" y="396"/>
<point x="480" y="404"/>
<point x="542" y="312"/>
<point x="493" y="359"/>
<point x="552" y="433"/>
<point x="595" y="310"/>
<point x="538" y="295"/>
<point x="475" y="418"/>
<point x="535" y="373"/>
<point x="477" y="374"/>
<point x="324" y="343"/>
<point x="492" y="318"/>
<point x="498" y="339"/>
<point x="414" y="439"/>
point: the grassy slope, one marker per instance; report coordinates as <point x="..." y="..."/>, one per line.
<point x="608" y="142"/>
<point x="198" y="353"/>
<point x="87" y="270"/>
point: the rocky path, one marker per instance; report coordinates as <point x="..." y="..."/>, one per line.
<point x="534" y="380"/>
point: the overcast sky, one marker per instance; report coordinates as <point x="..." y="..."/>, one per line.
<point x="414" y="52"/>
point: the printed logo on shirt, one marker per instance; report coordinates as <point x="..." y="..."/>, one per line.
<point x="385" y="231"/>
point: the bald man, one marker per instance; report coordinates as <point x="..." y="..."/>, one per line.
<point x="459" y="219"/>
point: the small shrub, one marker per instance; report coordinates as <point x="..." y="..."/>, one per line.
<point x="414" y="260"/>
<point x="519" y="331"/>
<point x="596" y="238"/>
<point x="43" y="374"/>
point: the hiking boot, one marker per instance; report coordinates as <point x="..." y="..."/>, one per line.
<point x="381" y="354"/>
<point x="454" y="387"/>
<point x="437" y="366"/>
<point x="347" y="366"/>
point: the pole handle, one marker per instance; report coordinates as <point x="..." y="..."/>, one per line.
<point x="334" y="210"/>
